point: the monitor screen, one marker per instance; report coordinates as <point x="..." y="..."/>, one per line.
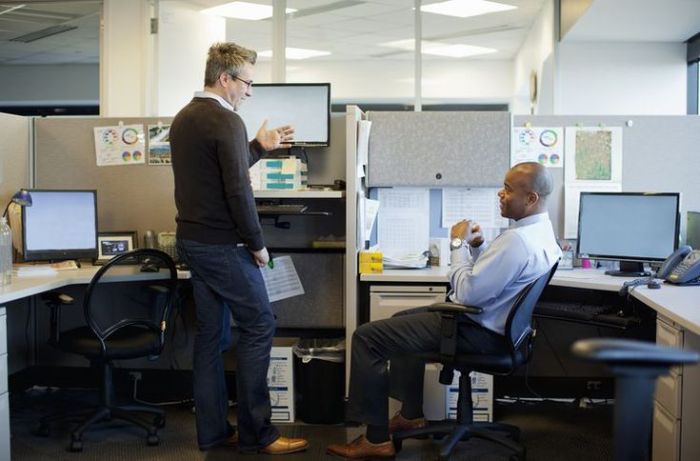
<point x="60" y="224"/>
<point x="304" y="106"/>
<point x="692" y="230"/>
<point x="624" y="226"/>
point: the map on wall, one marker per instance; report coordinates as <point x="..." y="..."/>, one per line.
<point x="594" y="155"/>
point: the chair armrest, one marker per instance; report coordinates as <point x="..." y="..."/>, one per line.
<point x="454" y="307"/>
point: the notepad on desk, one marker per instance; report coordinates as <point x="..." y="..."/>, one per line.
<point x="42" y="270"/>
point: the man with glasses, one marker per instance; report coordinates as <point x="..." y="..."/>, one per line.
<point x="220" y="239"/>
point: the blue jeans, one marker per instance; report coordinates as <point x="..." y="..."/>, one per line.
<point x="227" y="275"/>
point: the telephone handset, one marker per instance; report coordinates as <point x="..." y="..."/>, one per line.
<point x="682" y="267"/>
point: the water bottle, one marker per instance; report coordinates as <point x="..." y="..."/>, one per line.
<point x="5" y="252"/>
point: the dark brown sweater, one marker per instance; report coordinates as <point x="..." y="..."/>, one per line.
<point x="211" y="156"/>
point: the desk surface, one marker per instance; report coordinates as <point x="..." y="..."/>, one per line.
<point x="22" y="287"/>
<point x="678" y="303"/>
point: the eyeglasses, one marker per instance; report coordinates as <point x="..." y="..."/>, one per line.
<point x="248" y="83"/>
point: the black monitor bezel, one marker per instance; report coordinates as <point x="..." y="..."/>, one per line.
<point x="74" y="253"/>
<point x="636" y="259"/>
<point x="328" y="112"/>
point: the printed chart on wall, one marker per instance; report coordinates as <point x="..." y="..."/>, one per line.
<point x="543" y="145"/>
<point x="119" y="145"/>
<point x="593" y="164"/>
<point x="479" y="205"/>
<point x="159" y="144"/>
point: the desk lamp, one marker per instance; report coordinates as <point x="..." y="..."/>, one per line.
<point x="21" y="198"/>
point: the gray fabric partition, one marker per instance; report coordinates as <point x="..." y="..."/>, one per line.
<point x="438" y="149"/>
<point x="660" y="154"/>
<point x="14" y="155"/>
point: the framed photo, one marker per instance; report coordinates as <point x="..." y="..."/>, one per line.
<point x="111" y="244"/>
<point x="567" y="260"/>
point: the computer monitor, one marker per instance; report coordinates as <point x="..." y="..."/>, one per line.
<point x="629" y="227"/>
<point x="304" y="106"/>
<point x="692" y="230"/>
<point x="60" y="224"/>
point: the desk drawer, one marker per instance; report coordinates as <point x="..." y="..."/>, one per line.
<point x="666" y="436"/>
<point x="386" y="301"/>
<point x="667" y="335"/>
<point x="669" y="391"/>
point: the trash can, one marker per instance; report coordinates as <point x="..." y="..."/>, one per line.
<point x="320" y="380"/>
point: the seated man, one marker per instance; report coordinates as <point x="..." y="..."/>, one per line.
<point x="489" y="278"/>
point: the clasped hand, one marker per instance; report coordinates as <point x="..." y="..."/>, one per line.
<point x="467" y="231"/>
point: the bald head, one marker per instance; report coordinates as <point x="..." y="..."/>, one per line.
<point x="525" y="190"/>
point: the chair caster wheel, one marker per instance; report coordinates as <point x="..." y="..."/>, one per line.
<point x="153" y="440"/>
<point x="42" y="431"/>
<point x="76" y="446"/>
<point x="159" y="422"/>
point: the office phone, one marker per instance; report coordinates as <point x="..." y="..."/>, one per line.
<point x="682" y="267"/>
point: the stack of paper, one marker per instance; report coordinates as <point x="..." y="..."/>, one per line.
<point x="35" y="271"/>
<point x="405" y="261"/>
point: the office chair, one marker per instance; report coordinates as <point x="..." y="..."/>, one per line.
<point x="120" y="323"/>
<point x="636" y="366"/>
<point x="516" y="351"/>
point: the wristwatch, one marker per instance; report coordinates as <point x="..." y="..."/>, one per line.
<point x="456" y="243"/>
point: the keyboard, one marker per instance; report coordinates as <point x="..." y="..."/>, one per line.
<point x="572" y="310"/>
<point x="281" y="209"/>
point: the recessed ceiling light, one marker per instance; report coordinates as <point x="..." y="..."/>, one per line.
<point x="466" y="8"/>
<point x="441" y="49"/>
<point x="243" y="10"/>
<point x="297" y="53"/>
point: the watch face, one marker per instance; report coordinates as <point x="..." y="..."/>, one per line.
<point x="456" y="243"/>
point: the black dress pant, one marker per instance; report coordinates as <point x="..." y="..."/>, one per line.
<point x="397" y="339"/>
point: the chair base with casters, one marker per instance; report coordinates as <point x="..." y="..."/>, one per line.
<point x="636" y="366"/>
<point x="515" y="351"/>
<point x="464" y="427"/>
<point x="106" y="411"/>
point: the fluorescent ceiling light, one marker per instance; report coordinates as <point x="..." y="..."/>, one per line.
<point x="466" y="8"/>
<point x="243" y="10"/>
<point x="441" y="49"/>
<point x="297" y="53"/>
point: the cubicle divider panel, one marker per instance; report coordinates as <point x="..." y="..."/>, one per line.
<point x="438" y="149"/>
<point x="659" y="154"/>
<point x="321" y="306"/>
<point x="14" y="155"/>
<point x="130" y="197"/>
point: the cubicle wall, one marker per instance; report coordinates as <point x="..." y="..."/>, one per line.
<point x="660" y="154"/>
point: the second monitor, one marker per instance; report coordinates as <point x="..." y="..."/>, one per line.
<point x="633" y="228"/>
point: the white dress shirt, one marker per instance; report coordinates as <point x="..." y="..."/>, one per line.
<point x="491" y="277"/>
<point x="210" y="95"/>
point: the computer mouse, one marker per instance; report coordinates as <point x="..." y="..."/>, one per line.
<point x="653" y="285"/>
<point x="149" y="268"/>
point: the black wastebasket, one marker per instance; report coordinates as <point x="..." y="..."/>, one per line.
<point x="319" y="370"/>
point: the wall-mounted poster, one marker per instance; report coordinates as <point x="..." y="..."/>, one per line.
<point x="119" y="145"/>
<point x="159" y="144"/>
<point x="542" y="145"/>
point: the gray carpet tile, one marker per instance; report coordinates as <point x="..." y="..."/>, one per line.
<point x="550" y="431"/>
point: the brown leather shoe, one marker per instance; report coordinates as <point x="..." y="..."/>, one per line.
<point x="284" y="445"/>
<point x="399" y="423"/>
<point x="361" y="448"/>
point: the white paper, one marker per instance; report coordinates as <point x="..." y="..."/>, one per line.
<point x="159" y="144"/>
<point x="542" y="145"/>
<point x="593" y="164"/>
<point x="282" y="282"/>
<point x="479" y="205"/>
<point x="255" y="174"/>
<point x="363" y="129"/>
<point x="120" y="145"/>
<point x="370" y="216"/>
<point x="404" y="223"/>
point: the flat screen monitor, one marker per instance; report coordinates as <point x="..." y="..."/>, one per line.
<point x="60" y="224"/>
<point x="629" y="227"/>
<point x="692" y="230"/>
<point x="304" y="106"/>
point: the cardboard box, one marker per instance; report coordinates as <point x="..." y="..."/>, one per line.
<point x="482" y="397"/>
<point x="280" y="380"/>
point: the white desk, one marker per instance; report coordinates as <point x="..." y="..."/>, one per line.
<point x="677" y="400"/>
<point x="23" y="287"/>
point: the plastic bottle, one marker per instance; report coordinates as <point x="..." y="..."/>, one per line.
<point x="5" y="252"/>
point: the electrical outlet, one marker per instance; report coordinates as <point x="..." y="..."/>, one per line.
<point x="135" y="375"/>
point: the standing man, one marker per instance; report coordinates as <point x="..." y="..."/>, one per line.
<point x="488" y="277"/>
<point x="219" y="236"/>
